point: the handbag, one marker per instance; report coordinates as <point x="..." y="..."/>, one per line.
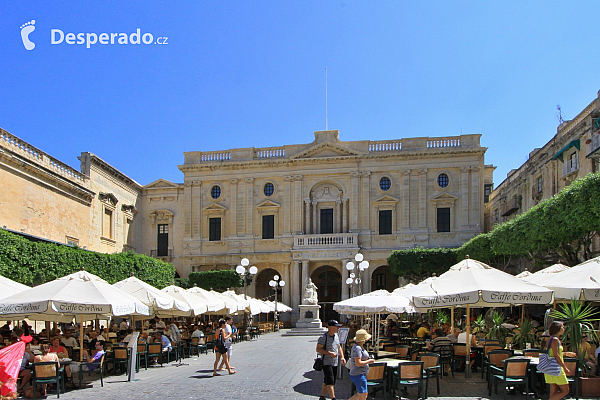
<point x="548" y="365"/>
<point x="318" y="364"/>
<point x="220" y="344"/>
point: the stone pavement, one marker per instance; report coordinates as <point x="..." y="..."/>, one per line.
<point x="270" y="367"/>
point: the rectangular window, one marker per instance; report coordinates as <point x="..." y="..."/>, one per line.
<point x="487" y="191"/>
<point x="162" y="241"/>
<point x="107" y="224"/>
<point x="380" y="282"/>
<point x="214" y="229"/>
<point x="327" y="220"/>
<point x="268" y="226"/>
<point x="385" y="222"/>
<point x="72" y="241"/>
<point x="540" y="184"/>
<point x="443" y="219"/>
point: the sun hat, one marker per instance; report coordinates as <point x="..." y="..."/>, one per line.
<point x="362" y="336"/>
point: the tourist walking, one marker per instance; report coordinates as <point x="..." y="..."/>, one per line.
<point x="360" y="367"/>
<point x="220" y="349"/>
<point x="228" y="342"/>
<point x="329" y="346"/>
<point x="559" y="385"/>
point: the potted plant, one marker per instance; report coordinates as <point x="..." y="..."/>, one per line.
<point x="496" y="330"/>
<point x="524" y="334"/>
<point x="479" y="326"/>
<point x="578" y="319"/>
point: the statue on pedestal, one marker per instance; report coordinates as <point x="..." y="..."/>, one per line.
<point x="310" y="293"/>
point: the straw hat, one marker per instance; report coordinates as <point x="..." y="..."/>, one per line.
<point x="362" y="336"/>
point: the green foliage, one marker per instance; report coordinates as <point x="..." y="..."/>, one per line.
<point x="34" y="263"/>
<point x="217" y="280"/>
<point x="497" y="331"/>
<point x="524" y="334"/>
<point x="441" y="318"/>
<point x="577" y="319"/>
<point x="479" y="324"/>
<point x="183" y="283"/>
<point x="559" y="229"/>
<point x="419" y="263"/>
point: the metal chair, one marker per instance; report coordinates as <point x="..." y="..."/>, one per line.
<point x="531" y="352"/>
<point x="403" y="352"/>
<point x="515" y="372"/>
<point x="197" y="347"/>
<point x="98" y="368"/>
<point x="142" y="352"/>
<point x="155" y="350"/>
<point x="46" y="372"/>
<point x="431" y="369"/>
<point x="210" y="342"/>
<point x="120" y="358"/>
<point x="375" y="378"/>
<point x="486" y="349"/>
<point x="445" y="352"/>
<point x="495" y="363"/>
<point x="573" y="376"/>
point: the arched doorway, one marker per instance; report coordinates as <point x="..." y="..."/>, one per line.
<point x="329" y="284"/>
<point x="382" y="279"/>
<point x="263" y="290"/>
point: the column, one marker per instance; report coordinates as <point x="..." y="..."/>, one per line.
<point x="405" y="199"/>
<point x="295" y="285"/>
<point x="355" y="188"/>
<point x="366" y="202"/>
<point x="305" y="276"/>
<point x="423" y="198"/>
<point x="297" y="211"/>
<point x="286" y="292"/>
<point x="307" y="230"/>
<point x="464" y="197"/>
<point x="189" y="211"/>
<point x="233" y="187"/>
<point x="414" y="199"/>
<point x="366" y="280"/>
<point x="240" y="210"/>
<point x="338" y="217"/>
<point x="345" y="275"/>
<point x="477" y="199"/>
<point x="287" y="208"/>
<point x="197" y="209"/>
<point x="345" y="216"/>
<point x="315" y="226"/>
<point x="249" y="206"/>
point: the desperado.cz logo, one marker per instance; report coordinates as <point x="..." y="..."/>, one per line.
<point x="58" y="36"/>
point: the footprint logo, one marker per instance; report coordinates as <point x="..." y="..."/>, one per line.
<point x="26" y="29"/>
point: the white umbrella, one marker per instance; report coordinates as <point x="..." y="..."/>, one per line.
<point x="162" y="304"/>
<point x="233" y="304"/>
<point x="380" y="302"/>
<point x="280" y="306"/>
<point x="216" y="304"/>
<point x="579" y="282"/>
<point x="9" y="287"/>
<point x="197" y="304"/>
<point x="80" y="294"/>
<point x="523" y="274"/>
<point x="251" y="305"/>
<point x="539" y="277"/>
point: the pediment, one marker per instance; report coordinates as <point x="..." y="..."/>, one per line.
<point x="386" y="200"/>
<point x="215" y="207"/>
<point x="268" y="204"/>
<point x="326" y="149"/>
<point x="444" y="197"/>
<point x="161" y="184"/>
<point x="108" y="198"/>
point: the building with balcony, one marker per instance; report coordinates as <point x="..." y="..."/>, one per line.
<point x="303" y="211"/>
<point x="571" y="153"/>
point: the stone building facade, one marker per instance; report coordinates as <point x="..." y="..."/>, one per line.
<point x="299" y="211"/>
<point x="41" y="196"/>
<point x="304" y="211"/>
<point x="571" y="153"/>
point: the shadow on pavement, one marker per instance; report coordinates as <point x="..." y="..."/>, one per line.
<point x="312" y="386"/>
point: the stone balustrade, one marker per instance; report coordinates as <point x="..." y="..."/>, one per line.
<point x="270" y="152"/>
<point x="37" y="156"/>
<point x="385" y="145"/>
<point x="326" y="241"/>
<point x="443" y="142"/>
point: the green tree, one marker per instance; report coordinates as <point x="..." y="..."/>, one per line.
<point x="419" y="263"/>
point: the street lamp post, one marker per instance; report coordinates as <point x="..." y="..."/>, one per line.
<point x="275" y="283"/>
<point x="359" y="265"/>
<point x="246" y="276"/>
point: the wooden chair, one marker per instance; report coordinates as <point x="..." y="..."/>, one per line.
<point x="375" y="378"/>
<point x="486" y="349"/>
<point x="515" y="372"/>
<point x="531" y="352"/>
<point x="495" y="363"/>
<point x="155" y="350"/>
<point x="120" y="358"/>
<point x="197" y="347"/>
<point x="410" y="373"/>
<point x="403" y="352"/>
<point x="460" y="353"/>
<point x="573" y="376"/>
<point x="431" y="369"/>
<point x="210" y="342"/>
<point x="446" y="357"/>
<point x="142" y="352"/>
<point x="98" y="368"/>
<point x="46" y="372"/>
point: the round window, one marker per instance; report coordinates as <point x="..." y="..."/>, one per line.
<point x="269" y="189"/>
<point x="215" y="192"/>
<point x="385" y="183"/>
<point x="443" y="180"/>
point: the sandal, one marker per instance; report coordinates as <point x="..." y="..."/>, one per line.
<point x="232" y="372"/>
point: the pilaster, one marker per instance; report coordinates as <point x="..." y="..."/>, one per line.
<point x="287" y="209"/>
<point x="295" y="284"/>
<point x="249" y="207"/>
<point x="423" y="198"/>
<point x="464" y="196"/>
<point x="297" y="211"/>
<point x="366" y="194"/>
<point x="405" y="198"/>
<point x="345" y="275"/>
<point x="188" y="214"/>
<point x="355" y="202"/>
<point x="233" y="186"/>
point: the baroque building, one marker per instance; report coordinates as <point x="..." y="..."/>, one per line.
<point x="303" y="211"/>
<point x="298" y="211"/>
<point x="571" y="153"/>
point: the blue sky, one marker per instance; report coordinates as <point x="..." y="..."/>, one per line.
<point x="252" y="74"/>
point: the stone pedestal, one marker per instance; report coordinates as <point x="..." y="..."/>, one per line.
<point x="309" y="323"/>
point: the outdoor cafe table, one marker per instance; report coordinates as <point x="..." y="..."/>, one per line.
<point x="383" y="354"/>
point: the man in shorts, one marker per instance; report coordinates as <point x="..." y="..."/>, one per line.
<point x="329" y="347"/>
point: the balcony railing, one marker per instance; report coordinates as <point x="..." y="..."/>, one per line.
<point x="169" y="256"/>
<point x="594" y="144"/>
<point x="570" y="165"/>
<point x="326" y="241"/>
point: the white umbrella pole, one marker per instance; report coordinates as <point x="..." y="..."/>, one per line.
<point x="468" y="355"/>
<point x="81" y="339"/>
